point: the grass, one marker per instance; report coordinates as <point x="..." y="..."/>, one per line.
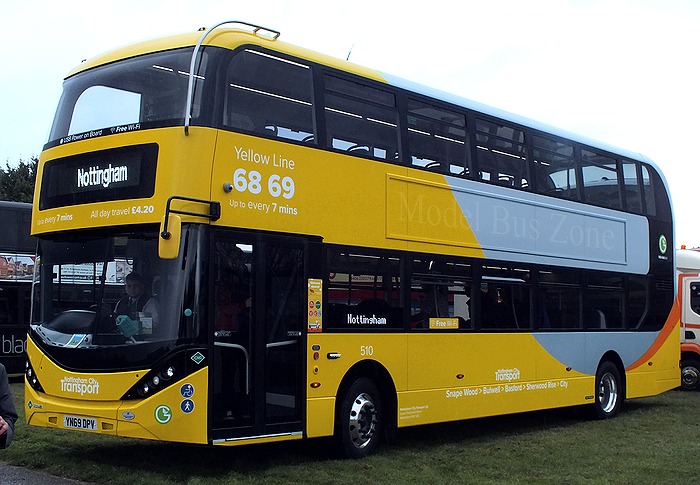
<point x="653" y="441"/>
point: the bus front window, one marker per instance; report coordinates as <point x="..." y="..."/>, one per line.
<point x="136" y="93"/>
<point x="111" y="292"/>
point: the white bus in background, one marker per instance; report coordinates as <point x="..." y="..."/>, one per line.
<point x="688" y="270"/>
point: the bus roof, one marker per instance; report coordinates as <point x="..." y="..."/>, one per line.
<point x="507" y="116"/>
<point x="15" y="218"/>
<point x="228" y="37"/>
<point x="18" y="206"/>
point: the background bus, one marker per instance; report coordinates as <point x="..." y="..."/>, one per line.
<point x="688" y="264"/>
<point x="335" y="252"/>
<point x="17" y="249"/>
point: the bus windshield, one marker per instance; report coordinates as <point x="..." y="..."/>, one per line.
<point x="111" y="292"/>
<point x="145" y="91"/>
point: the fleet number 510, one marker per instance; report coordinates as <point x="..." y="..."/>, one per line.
<point x="366" y="350"/>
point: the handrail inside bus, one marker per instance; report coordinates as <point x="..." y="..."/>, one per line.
<point x="213" y="215"/>
<point x="247" y="361"/>
<point x="257" y="29"/>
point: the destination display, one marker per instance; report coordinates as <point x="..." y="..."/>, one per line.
<point x="115" y="174"/>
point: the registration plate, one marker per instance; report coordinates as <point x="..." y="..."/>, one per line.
<point x="80" y="422"/>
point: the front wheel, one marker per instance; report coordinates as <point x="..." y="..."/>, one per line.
<point x="359" y="421"/>
<point x="690" y="374"/>
<point x="609" y="392"/>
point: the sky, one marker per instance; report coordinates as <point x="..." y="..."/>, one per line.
<point x="625" y="72"/>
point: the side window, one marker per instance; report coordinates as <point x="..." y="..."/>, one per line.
<point x="559" y="303"/>
<point x="655" y="196"/>
<point x="504" y="295"/>
<point x="660" y="297"/>
<point x="440" y="295"/>
<point x="648" y="189"/>
<point x="269" y="95"/>
<point x="501" y="155"/>
<point x="437" y="138"/>
<point x="554" y="167"/>
<point x="363" y="291"/>
<point x="633" y="191"/>
<point x="600" y="180"/>
<point x="637" y="301"/>
<point x="361" y="119"/>
<point x="605" y="301"/>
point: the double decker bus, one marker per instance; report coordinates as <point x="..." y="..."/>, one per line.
<point x="333" y="251"/>
<point x="17" y="249"/>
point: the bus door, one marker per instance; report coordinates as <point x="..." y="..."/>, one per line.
<point x="259" y="296"/>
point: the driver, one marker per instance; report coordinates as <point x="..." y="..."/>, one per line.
<point x="135" y="298"/>
<point x="135" y="307"/>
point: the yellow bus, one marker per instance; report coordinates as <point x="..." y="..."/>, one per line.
<point x="324" y="250"/>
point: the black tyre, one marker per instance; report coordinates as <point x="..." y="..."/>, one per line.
<point x="359" y="420"/>
<point x="690" y="374"/>
<point x="609" y="393"/>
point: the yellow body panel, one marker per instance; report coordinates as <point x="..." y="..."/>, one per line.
<point x="410" y="214"/>
<point x="446" y="377"/>
<point x="176" y="151"/>
<point x="660" y="370"/>
<point x="162" y="416"/>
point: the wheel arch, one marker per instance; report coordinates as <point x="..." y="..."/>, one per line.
<point x="381" y="377"/>
<point x="689" y="354"/>
<point x="614" y="358"/>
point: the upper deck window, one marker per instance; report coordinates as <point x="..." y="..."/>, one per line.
<point x="437" y="138"/>
<point x="149" y="90"/>
<point x="600" y="180"/>
<point x="267" y="94"/>
<point x="633" y="192"/>
<point x="361" y="119"/>
<point x="555" y="168"/>
<point x="501" y="154"/>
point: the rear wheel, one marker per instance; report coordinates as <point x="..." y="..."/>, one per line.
<point x="609" y="393"/>
<point x="690" y="374"/>
<point x="359" y="421"/>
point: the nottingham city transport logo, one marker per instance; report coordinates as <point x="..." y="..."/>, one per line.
<point x="80" y="385"/>
<point x="508" y="374"/>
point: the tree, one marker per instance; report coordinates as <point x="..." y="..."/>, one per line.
<point x="17" y="183"/>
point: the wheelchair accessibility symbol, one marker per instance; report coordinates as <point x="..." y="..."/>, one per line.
<point x="187" y="391"/>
